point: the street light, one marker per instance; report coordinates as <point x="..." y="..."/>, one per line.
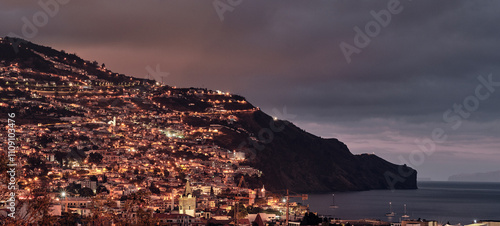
<point x="63" y="194"/>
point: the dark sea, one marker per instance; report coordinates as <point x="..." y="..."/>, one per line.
<point x="454" y="202"/>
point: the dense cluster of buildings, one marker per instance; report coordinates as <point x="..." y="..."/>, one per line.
<point x="88" y="141"/>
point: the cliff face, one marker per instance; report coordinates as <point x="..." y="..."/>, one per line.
<point x="291" y="158"/>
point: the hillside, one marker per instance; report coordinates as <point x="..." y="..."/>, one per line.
<point x="46" y="87"/>
<point x="296" y="159"/>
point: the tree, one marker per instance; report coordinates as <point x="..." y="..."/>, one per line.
<point x="34" y="163"/>
<point x="154" y="189"/>
<point x="37" y="163"/>
<point x="310" y="219"/>
<point x="100" y="214"/>
<point x="69" y="219"/>
<point x="86" y="192"/>
<point x="3" y="163"/>
<point x="77" y="155"/>
<point x="34" y="211"/>
<point x="255" y="210"/>
<point x="101" y="189"/>
<point x="134" y="202"/>
<point x="197" y="193"/>
<point x="95" y="158"/>
<point x="73" y="188"/>
<point x="60" y="156"/>
<point x="242" y="211"/>
<point x="144" y="217"/>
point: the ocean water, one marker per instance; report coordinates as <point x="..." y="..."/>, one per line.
<point x="454" y="202"/>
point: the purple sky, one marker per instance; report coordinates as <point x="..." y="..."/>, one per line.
<point x="286" y="54"/>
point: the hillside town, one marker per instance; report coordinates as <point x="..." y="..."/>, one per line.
<point x="131" y="150"/>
